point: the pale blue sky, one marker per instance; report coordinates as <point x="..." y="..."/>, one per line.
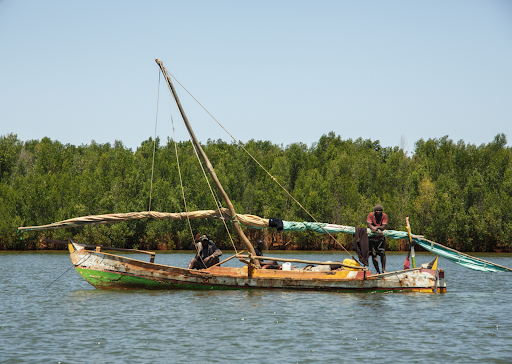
<point x="283" y="71"/>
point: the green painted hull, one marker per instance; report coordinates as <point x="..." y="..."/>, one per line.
<point x="111" y="280"/>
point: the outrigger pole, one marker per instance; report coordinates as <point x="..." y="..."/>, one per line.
<point x="209" y="166"/>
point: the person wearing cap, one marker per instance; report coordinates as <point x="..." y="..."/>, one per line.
<point x="207" y="254"/>
<point x="260" y="246"/>
<point x="377" y="222"/>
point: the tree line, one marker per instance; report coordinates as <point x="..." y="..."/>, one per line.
<point x="455" y="193"/>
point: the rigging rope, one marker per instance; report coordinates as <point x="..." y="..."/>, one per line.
<point x="215" y="197"/>
<point x="72" y="266"/>
<point x="181" y="180"/>
<point x="271" y="176"/>
<point x="154" y="142"/>
<point x="219" y="206"/>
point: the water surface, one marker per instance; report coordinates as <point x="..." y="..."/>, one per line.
<point x="72" y="322"/>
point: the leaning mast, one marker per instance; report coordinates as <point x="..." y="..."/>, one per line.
<point x="209" y="166"/>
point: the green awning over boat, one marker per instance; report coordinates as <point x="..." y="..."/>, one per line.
<point x="454" y="256"/>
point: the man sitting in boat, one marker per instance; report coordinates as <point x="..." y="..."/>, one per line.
<point x="260" y="246"/>
<point x="377" y="222"/>
<point x="207" y="254"/>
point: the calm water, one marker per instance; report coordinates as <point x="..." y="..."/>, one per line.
<point x="71" y="322"/>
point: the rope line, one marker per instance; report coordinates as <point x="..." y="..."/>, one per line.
<point x="215" y="197"/>
<point x="271" y="176"/>
<point x="181" y="180"/>
<point x="154" y="143"/>
<point x="72" y="266"/>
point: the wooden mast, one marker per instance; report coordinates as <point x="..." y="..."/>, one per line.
<point x="238" y="228"/>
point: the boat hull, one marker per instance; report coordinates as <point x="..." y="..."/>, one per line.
<point x="109" y="271"/>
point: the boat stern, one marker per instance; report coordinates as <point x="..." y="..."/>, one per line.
<point x="440" y="283"/>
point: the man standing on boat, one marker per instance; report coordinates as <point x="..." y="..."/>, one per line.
<point x="377" y="222"/>
<point x="207" y="254"/>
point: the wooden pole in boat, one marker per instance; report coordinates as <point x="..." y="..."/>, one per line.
<point x="228" y="259"/>
<point x="413" y="257"/>
<point x="209" y="166"/>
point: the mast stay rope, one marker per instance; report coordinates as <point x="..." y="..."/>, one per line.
<point x="261" y="166"/>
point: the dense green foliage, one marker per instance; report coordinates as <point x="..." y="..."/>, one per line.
<point x="454" y="193"/>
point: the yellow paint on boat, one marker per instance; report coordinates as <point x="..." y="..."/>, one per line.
<point x="434" y="266"/>
<point x="351" y="262"/>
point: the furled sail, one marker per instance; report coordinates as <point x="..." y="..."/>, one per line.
<point x="250" y="220"/>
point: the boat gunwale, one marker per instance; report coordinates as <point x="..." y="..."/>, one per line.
<point x="242" y="272"/>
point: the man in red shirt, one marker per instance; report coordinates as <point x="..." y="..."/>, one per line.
<point x="377" y="222"/>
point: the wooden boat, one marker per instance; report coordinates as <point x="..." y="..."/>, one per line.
<point x="108" y="271"/>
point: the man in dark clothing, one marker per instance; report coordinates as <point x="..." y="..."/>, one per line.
<point x="207" y="254"/>
<point x="260" y="246"/>
<point x="377" y="222"/>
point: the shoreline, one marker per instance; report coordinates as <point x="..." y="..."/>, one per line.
<point x="165" y="251"/>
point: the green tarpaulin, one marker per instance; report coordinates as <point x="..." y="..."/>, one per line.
<point x="462" y="259"/>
